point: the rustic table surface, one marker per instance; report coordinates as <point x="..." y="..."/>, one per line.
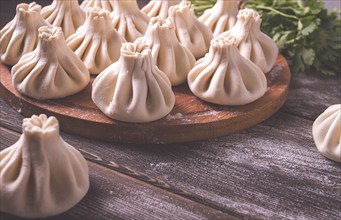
<point x="271" y="171"/>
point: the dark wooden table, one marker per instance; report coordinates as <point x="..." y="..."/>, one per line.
<point x="270" y="171"/>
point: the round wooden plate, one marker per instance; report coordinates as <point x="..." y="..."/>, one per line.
<point x="191" y="119"/>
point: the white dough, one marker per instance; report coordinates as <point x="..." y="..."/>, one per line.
<point x="327" y="133"/>
<point x="133" y="89"/>
<point x="96" y="42"/>
<point x="170" y="56"/>
<point x="251" y="42"/>
<point x="224" y="77"/>
<point x="66" y="14"/>
<point x="128" y="20"/>
<point x="20" y="35"/>
<point x="41" y="175"/>
<point x="193" y="34"/>
<point x="158" y="8"/>
<point x="105" y="4"/>
<point x="52" y="70"/>
<point x="222" y="16"/>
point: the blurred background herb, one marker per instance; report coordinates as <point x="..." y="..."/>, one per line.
<point x="307" y="34"/>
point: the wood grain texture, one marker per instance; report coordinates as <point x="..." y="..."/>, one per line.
<point x="191" y="118"/>
<point x="116" y="196"/>
<point x="272" y="170"/>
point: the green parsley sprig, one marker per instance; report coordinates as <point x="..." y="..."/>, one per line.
<point x="306" y="33"/>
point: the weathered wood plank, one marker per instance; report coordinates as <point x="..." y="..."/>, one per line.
<point x="270" y="171"/>
<point x="311" y="94"/>
<point x="116" y="196"/>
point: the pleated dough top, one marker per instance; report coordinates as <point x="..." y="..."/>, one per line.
<point x="52" y="70"/>
<point x="251" y="42"/>
<point x="20" y="35"/>
<point x="66" y="14"/>
<point x="172" y="58"/>
<point x="222" y="16"/>
<point x="327" y="133"/>
<point x="159" y="8"/>
<point x="133" y="89"/>
<point x="96" y="42"/>
<point x="104" y="4"/>
<point x="41" y="175"/>
<point x="224" y="77"/>
<point x="128" y="20"/>
<point x="193" y="34"/>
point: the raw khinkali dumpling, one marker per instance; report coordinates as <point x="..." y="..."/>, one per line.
<point x="66" y="14"/>
<point x="224" y="77"/>
<point x="105" y="4"/>
<point x="222" y="16"/>
<point x="20" y="35"/>
<point x="191" y="33"/>
<point x="52" y="70"/>
<point x="127" y="18"/>
<point x="96" y="42"/>
<point x="133" y="89"/>
<point x="327" y="133"/>
<point x="159" y="8"/>
<point x="41" y="175"/>
<point x="251" y="42"/>
<point x="170" y="56"/>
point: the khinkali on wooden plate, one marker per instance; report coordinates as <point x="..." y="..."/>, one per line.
<point x="41" y="175"/>
<point x="105" y="4"/>
<point x="193" y="34"/>
<point x="66" y="14"/>
<point x="133" y="89"/>
<point x="159" y="8"/>
<point x="96" y="42"/>
<point x="20" y="35"/>
<point x="251" y="42"/>
<point x="52" y="70"/>
<point x="168" y="53"/>
<point x="222" y="16"/>
<point x="327" y="133"/>
<point x="224" y="77"/>
<point x="128" y="20"/>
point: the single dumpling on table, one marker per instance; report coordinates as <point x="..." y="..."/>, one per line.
<point x="159" y="8"/>
<point x="52" y="70"/>
<point x="66" y="14"/>
<point x="133" y="89"/>
<point x="193" y="34"/>
<point x="222" y="16"/>
<point x="20" y="35"/>
<point x="252" y="43"/>
<point x="41" y="175"/>
<point x="327" y="133"/>
<point x="128" y="20"/>
<point x="96" y="42"/>
<point x="225" y="77"/>
<point x="104" y="4"/>
<point x="168" y="53"/>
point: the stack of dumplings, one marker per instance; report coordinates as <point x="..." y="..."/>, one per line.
<point x="133" y="89"/>
<point x="128" y="20"/>
<point x="224" y="77"/>
<point x="96" y="42"/>
<point x="193" y="34"/>
<point x="251" y="42"/>
<point x="20" y="35"/>
<point x="222" y="16"/>
<point x="41" y="175"/>
<point x="170" y="56"/>
<point x="52" y="70"/>
<point x="104" y="4"/>
<point x="159" y="8"/>
<point x="66" y="14"/>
